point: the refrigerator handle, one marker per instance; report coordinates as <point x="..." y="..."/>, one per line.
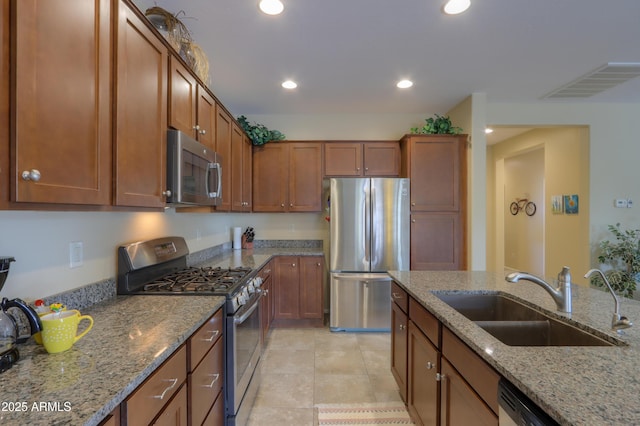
<point x="367" y="223"/>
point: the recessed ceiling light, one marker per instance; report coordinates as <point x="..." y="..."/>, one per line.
<point x="271" y="7"/>
<point x="488" y="130"/>
<point x="453" y="7"/>
<point x="289" y="84"/>
<point x="404" y="84"/>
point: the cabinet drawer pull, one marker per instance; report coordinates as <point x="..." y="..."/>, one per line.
<point x="215" y="379"/>
<point x="173" y="385"/>
<point x="397" y="296"/>
<point x="214" y="333"/>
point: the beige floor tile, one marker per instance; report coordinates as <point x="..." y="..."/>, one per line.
<point x="269" y="416"/>
<point x="339" y="362"/>
<point x="327" y="340"/>
<point x="285" y="391"/>
<point x="291" y="338"/>
<point x="374" y="341"/>
<point x="343" y="388"/>
<point x="288" y="361"/>
<point x="377" y="361"/>
<point x="385" y="387"/>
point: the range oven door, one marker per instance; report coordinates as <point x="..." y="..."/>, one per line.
<point x="243" y="348"/>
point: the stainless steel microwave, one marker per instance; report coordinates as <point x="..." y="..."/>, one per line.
<point x="194" y="173"/>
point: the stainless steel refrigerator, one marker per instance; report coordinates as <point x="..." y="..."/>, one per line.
<point x="369" y="236"/>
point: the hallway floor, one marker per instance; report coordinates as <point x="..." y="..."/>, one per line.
<point x="305" y="367"/>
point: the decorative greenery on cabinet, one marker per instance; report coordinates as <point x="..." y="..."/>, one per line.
<point x="623" y="257"/>
<point x="258" y="133"/>
<point x="440" y="125"/>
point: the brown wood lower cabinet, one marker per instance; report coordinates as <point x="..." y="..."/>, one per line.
<point x="298" y="286"/>
<point x="399" y="321"/>
<point x="146" y="402"/>
<point x="460" y="404"/>
<point x="423" y="365"/>
<point x="446" y="382"/>
<point x="175" y="413"/>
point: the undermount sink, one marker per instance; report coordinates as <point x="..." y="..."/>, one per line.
<point x="516" y="324"/>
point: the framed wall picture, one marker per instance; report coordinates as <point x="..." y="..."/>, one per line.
<point x="557" y="204"/>
<point x="571" y="205"/>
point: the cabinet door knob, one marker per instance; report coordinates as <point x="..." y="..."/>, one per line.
<point x="318" y="264"/>
<point x="167" y="193"/>
<point x="440" y="377"/>
<point x="430" y="365"/>
<point x="32" y="174"/>
<point x="413" y="203"/>
<point x="366" y="169"/>
<point x="413" y="221"/>
<point x="203" y="132"/>
<point x="282" y="205"/>
<point x="402" y="326"/>
<point x="196" y="127"/>
<point x="293" y="265"/>
<point x="357" y="169"/>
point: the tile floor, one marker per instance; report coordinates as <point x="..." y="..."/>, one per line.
<point x="304" y="367"/>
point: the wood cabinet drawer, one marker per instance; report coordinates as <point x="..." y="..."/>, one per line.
<point x="147" y="401"/>
<point x="216" y="415"/>
<point x="429" y="324"/>
<point x="205" y="383"/>
<point x="480" y="375"/>
<point x="204" y="339"/>
<point x="400" y="297"/>
<point x="175" y="413"/>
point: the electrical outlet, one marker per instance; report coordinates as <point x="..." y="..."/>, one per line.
<point x="629" y="203"/>
<point x="75" y="254"/>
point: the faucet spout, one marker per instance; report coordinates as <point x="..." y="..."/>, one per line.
<point x="560" y="295"/>
<point x="619" y="322"/>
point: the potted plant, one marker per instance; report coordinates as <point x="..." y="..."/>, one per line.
<point x="437" y="126"/>
<point x="258" y="133"/>
<point x="623" y="258"/>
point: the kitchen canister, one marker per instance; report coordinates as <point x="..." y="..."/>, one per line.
<point x="237" y="238"/>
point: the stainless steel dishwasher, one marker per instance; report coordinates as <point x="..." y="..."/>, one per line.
<point x="516" y="409"/>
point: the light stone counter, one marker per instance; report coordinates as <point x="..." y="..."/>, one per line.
<point x="131" y="337"/>
<point x="574" y="385"/>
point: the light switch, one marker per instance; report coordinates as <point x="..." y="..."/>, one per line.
<point x="75" y="254"/>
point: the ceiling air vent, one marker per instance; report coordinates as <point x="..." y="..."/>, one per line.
<point x="598" y="80"/>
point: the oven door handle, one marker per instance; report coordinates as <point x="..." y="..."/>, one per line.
<point x="242" y="318"/>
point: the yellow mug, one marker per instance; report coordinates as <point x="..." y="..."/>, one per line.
<point x="59" y="330"/>
<point x="38" y="336"/>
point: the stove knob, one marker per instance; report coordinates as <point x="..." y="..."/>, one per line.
<point x="250" y="288"/>
<point x="241" y="300"/>
<point x="257" y="282"/>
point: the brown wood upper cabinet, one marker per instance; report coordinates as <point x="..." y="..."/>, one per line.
<point x="192" y="109"/>
<point x="141" y="113"/>
<point x="362" y="158"/>
<point x="436" y="165"/>
<point x="224" y="124"/>
<point x="61" y="102"/>
<point x="241" y="163"/>
<point x="287" y="177"/>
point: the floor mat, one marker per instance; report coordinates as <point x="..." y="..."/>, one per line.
<point x="363" y="414"/>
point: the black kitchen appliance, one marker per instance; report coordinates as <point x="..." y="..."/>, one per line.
<point x="160" y="267"/>
<point x="9" y="331"/>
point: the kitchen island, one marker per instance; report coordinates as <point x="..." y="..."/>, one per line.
<point x="132" y="336"/>
<point x="574" y="385"/>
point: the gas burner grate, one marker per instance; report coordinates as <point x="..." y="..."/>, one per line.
<point x="204" y="279"/>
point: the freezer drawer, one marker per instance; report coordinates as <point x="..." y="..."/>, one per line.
<point x="360" y="302"/>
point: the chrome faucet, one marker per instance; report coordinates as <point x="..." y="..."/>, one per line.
<point x="619" y="322"/>
<point x="560" y="295"/>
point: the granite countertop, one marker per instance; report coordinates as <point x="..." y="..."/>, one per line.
<point x="131" y="337"/>
<point x="574" y="385"/>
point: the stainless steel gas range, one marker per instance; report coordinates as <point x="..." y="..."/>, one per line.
<point x="159" y="267"/>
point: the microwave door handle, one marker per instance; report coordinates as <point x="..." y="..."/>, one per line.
<point x="211" y="166"/>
